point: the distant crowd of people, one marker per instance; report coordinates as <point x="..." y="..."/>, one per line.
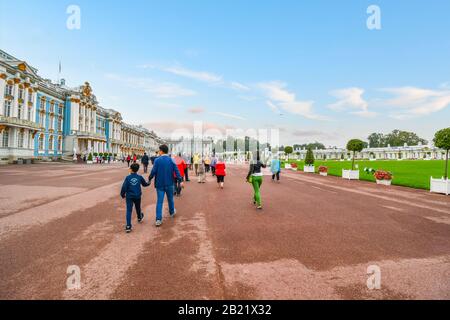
<point x="170" y="172"/>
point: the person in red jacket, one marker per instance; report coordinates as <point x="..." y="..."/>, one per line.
<point x="181" y="164"/>
<point x="220" y="172"/>
<point x="128" y="160"/>
<point x="134" y="158"/>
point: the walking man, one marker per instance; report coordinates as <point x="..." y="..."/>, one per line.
<point x="145" y="160"/>
<point x="163" y="171"/>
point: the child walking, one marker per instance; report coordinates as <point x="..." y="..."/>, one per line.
<point x="131" y="191"/>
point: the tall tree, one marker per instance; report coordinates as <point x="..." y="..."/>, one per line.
<point x="376" y="140"/>
<point x="398" y="138"/>
<point x="442" y="140"/>
<point x="355" y="145"/>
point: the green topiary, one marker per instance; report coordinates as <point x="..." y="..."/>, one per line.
<point x="442" y="140"/>
<point x="288" y="150"/>
<point x="90" y="157"/>
<point x="355" y="145"/>
<point x="309" y="159"/>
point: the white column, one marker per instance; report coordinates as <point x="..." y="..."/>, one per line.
<point x="2" y="94"/>
<point x="16" y="100"/>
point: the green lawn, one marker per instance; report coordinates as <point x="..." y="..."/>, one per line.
<point x="409" y="173"/>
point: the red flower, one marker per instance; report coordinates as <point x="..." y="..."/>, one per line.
<point x="323" y="169"/>
<point x="382" y="175"/>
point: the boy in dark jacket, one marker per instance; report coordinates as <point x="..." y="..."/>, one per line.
<point x="131" y="191"/>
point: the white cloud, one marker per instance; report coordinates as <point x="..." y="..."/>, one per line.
<point x="287" y="101"/>
<point x="413" y="102"/>
<point x="228" y="115"/>
<point x="273" y="107"/>
<point x="239" y="86"/>
<point x="351" y="99"/>
<point x="192" y="74"/>
<point x="157" y="89"/>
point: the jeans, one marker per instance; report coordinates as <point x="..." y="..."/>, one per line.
<point x="276" y="175"/>
<point x="186" y="174"/>
<point x="160" y="192"/>
<point x="145" y="167"/>
<point x="257" y="182"/>
<point x="177" y="187"/>
<point x="137" y="203"/>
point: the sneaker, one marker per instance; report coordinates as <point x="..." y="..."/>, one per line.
<point x="259" y="207"/>
<point x="128" y="229"/>
<point x="173" y="214"/>
<point x="158" y="223"/>
<point x="141" y="218"/>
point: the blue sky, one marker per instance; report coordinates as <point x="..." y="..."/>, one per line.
<point x="311" y="68"/>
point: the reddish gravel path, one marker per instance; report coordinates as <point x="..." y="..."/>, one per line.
<point x="315" y="238"/>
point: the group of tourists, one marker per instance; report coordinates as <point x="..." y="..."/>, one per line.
<point x="171" y="172"/>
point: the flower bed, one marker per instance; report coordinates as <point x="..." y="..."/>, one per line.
<point x="323" y="171"/>
<point x="383" y="177"/>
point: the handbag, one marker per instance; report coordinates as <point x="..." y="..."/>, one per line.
<point x="250" y="178"/>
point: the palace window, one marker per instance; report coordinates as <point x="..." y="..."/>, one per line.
<point x="42" y="120"/>
<point x="52" y="108"/>
<point x="20" y="138"/>
<point x="41" y="142"/>
<point x="20" y="111"/>
<point x="30" y="96"/>
<point x="52" y="122"/>
<point x="9" y="90"/>
<point x="42" y="104"/>
<point x="8" y="104"/>
<point x="59" y="124"/>
<point x="5" y="138"/>
<point x="30" y="113"/>
<point x="21" y="93"/>
<point x="59" y="143"/>
<point x="60" y="110"/>
<point x="50" y="143"/>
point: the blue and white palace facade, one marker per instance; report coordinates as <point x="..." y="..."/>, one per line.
<point x="43" y="120"/>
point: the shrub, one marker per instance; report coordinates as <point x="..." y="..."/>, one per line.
<point x="442" y="140"/>
<point x="355" y="145"/>
<point x="309" y="159"/>
<point x="294" y="165"/>
<point x="90" y="157"/>
<point x="95" y="154"/>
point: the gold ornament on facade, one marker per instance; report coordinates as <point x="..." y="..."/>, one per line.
<point x="16" y="80"/>
<point x="22" y="67"/>
<point x="3" y="76"/>
<point x="87" y="90"/>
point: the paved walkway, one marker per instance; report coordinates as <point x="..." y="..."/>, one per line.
<point x="315" y="238"/>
